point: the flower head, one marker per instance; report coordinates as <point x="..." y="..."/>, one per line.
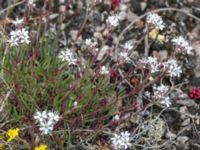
<point x="152" y="62"/>
<point x="128" y="45"/>
<point x="41" y="147"/>
<point x="19" y="36"/>
<point x="18" y="22"/>
<point x="31" y="3"/>
<point x="68" y="56"/>
<point x="12" y="133"/>
<point x="156" y="20"/>
<point x="104" y="70"/>
<point x="173" y="68"/>
<point x="90" y="43"/>
<point x="160" y="93"/>
<point x="113" y="21"/>
<point x="121" y="140"/>
<point x="124" y="55"/>
<point x="183" y="45"/>
<point x="46" y="120"/>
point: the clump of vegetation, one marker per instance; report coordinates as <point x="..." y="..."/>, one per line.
<point x="102" y="79"/>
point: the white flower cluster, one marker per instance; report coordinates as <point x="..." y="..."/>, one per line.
<point x="104" y="70"/>
<point x="152" y="62"/>
<point x="68" y="56"/>
<point x="156" y="20"/>
<point x="173" y="68"/>
<point x="160" y="93"/>
<point x="183" y="45"/>
<point x="19" y="36"/>
<point x="113" y="21"/>
<point x="121" y="140"/>
<point x="46" y="120"/>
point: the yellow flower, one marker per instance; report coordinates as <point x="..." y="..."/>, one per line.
<point x="41" y="147"/>
<point x="1" y="146"/>
<point x="12" y="133"/>
<point x="154" y="34"/>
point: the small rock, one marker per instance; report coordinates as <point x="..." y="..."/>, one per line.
<point x="170" y="135"/>
<point x="102" y="52"/>
<point x="98" y="35"/>
<point x="100" y="28"/>
<point x="74" y="34"/>
<point x="62" y="8"/>
<point x="143" y="5"/>
<point x="182" y="140"/>
<point x="183" y="109"/>
<point x="163" y="54"/>
<point x="185" y="122"/>
<point x="123" y="7"/>
<point x="106" y="33"/>
<point x="131" y="16"/>
<point x="195" y="32"/>
<point x="62" y="26"/>
<point x="53" y="16"/>
<point x="122" y="15"/>
<point x="188" y="103"/>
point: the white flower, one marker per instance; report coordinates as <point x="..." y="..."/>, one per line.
<point x="75" y="104"/>
<point x="152" y="62"/>
<point x="104" y="70"/>
<point x="166" y="101"/>
<point x="173" y="68"/>
<point x="162" y="88"/>
<point x="116" y="118"/>
<point x="183" y="44"/>
<point x="160" y="93"/>
<point x="68" y="56"/>
<point x="46" y="127"/>
<point x="121" y="140"/>
<point x="156" y="20"/>
<point x="90" y="43"/>
<point x="113" y="21"/>
<point x="124" y="55"/>
<point x="46" y="120"/>
<point x="40" y="116"/>
<point x="18" y="21"/>
<point x="147" y="94"/>
<point x="31" y="3"/>
<point x="19" y="36"/>
<point x="53" y="116"/>
<point x="128" y="45"/>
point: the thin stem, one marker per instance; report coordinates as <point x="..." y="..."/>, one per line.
<point x="11" y="6"/>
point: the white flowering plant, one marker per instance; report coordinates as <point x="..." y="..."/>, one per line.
<point x="95" y="75"/>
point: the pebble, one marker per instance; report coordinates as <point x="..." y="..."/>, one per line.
<point x="143" y="5"/>
<point x="182" y="140"/>
<point x="98" y="35"/>
<point x="102" y="52"/>
<point x="122" y="15"/>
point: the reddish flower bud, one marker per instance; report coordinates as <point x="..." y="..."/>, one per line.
<point x="115" y="3"/>
<point x="194" y="93"/>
